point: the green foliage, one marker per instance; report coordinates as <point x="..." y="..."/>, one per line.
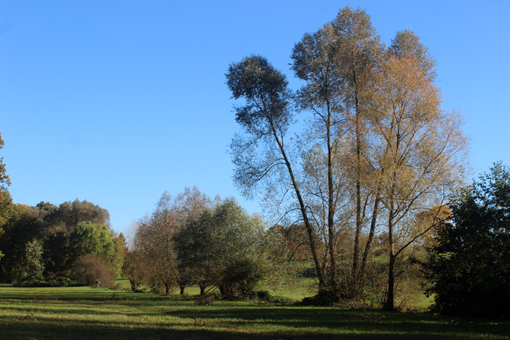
<point x="67" y="216"/>
<point x="470" y="265"/>
<point x="34" y="260"/>
<point x="96" y="239"/>
<point x="57" y="254"/>
<point x="231" y="250"/>
<point x="29" y="269"/>
<point x="53" y="226"/>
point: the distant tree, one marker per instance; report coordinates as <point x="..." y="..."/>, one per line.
<point x="57" y="254"/>
<point x="117" y="260"/>
<point x="95" y="239"/>
<point x="470" y="263"/>
<point x="30" y="266"/>
<point x="23" y="226"/>
<point x="53" y="226"/>
<point x="229" y="249"/>
<point x="68" y="214"/>
<point x="92" y="270"/>
<point x="34" y="261"/>
<point x="134" y="268"/>
<point x="154" y="238"/>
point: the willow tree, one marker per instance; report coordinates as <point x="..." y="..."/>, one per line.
<point x="262" y="155"/>
<point x="231" y="250"/>
<point x="360" y="97"/>
<point x="336" y="62"/>
<point x="421" y="149"/>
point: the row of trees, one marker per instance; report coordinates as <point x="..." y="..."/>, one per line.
<point x="214" y="244"/>
<point x="46" y="244"/>
<point x="55" y="238"/>
<point x="378" y="153"/>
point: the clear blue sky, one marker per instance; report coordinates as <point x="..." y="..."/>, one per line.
<point x="114" y="102"/>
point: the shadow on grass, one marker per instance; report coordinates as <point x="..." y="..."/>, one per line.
<point x="105" y="314"/>
<point x="54" y="329"/>
<point x="251" y="323"/>
<point x="396" y="324"/>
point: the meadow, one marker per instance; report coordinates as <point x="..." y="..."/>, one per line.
<point x="96" y="313"/>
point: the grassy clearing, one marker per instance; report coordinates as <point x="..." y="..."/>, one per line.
<point x="88" y="313"/>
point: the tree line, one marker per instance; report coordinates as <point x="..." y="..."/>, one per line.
<point x="43" y="245"/>
<point x="194" y="240"/>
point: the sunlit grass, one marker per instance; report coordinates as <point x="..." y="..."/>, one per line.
<point x="88" y="313"/>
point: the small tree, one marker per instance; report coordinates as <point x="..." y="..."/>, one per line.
<point x="96" y="239"/>
<point x="153" y="241"/>
<point x="29" y="269"/>
<point x="34" y="261"/>
<point x="134" y="268"/>
<point x="470" y="265"/>
<point x="92" y="270"/>
<point x="229" y="249"/>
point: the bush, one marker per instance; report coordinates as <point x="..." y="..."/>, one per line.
<point x="470" y="265"/>
<point x="93" y="271"/>
<point x="205" y="301"/>
<point x="58" y="282"/>
<point x="323" y="298"/>
<point x="116" y="286"/>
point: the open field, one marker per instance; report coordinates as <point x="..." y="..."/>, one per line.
<point x="93" y="313"/>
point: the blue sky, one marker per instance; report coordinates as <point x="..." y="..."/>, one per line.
<point x="114" y="102"/>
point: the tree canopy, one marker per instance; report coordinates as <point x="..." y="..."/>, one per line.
<point x="377" y="148"/>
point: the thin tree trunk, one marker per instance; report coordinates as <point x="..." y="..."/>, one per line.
<point x="390" y="303"/>
<point x="390" y="298"/>
<point x="331" y="211"/>
<point x="359" y="222"/>
<point x="368" y="245"/>
<point x="302" y="207"/>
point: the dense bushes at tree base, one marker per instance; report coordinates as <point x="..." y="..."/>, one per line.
<point x="323" y="298"/>
<point x="58" y="282"/>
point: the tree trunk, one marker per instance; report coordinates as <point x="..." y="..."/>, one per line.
<point x="359" y="221"/>
<point x="302" y="207"/>
<point x="373" y="223"/>
<point x="390" y="303"/>
<point x="333" y="283"/>
<point x="390" y="298"/>
<point x="183" y="288"/>
<point x="134" y="286"/>
<point x="202" y="289"/>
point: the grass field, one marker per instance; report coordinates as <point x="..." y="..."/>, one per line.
<point x="94" y="313"/>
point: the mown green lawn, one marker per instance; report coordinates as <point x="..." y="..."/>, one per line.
<point x="93" y="313"/>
